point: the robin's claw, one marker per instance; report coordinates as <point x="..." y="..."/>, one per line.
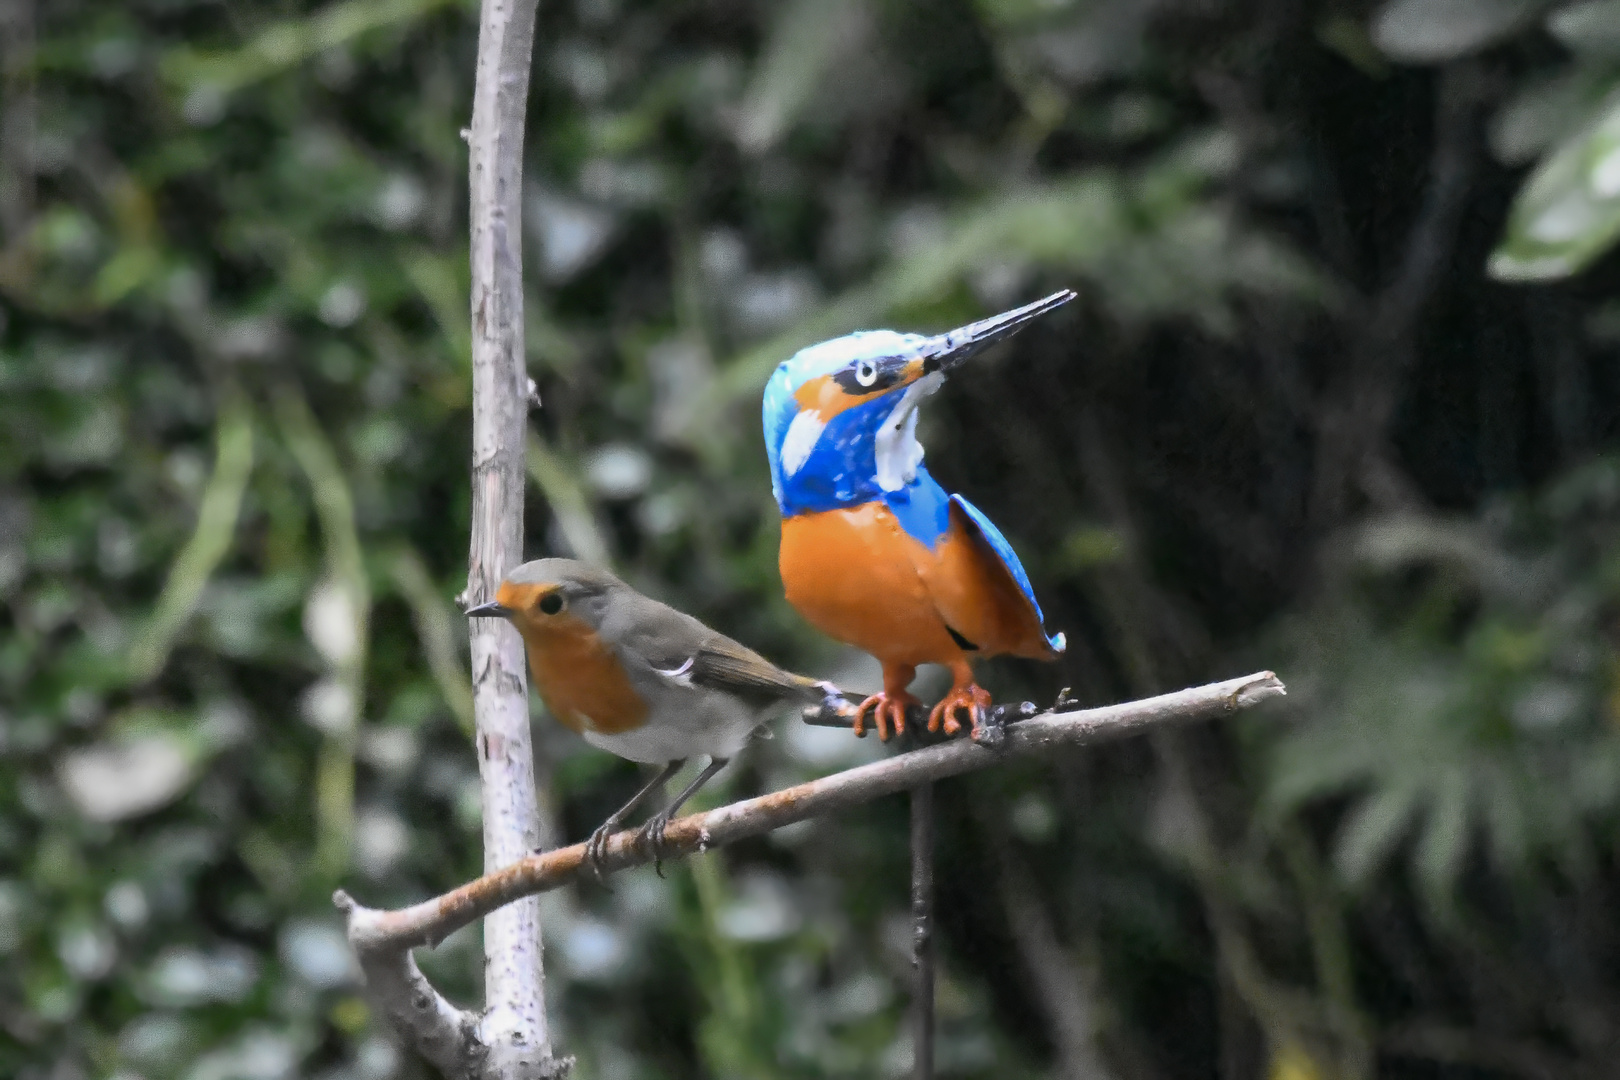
<point x="651" y="838"/>
<point x="887" y="710"/>
<point x="968" y="699"/>
<point x="596" y="848"/>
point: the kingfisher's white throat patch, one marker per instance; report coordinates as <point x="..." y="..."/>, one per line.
<point x="800" y="440"/>
<point x="898" y="451"/>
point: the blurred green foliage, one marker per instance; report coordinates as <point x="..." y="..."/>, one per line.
<point x="1292" y="422"/>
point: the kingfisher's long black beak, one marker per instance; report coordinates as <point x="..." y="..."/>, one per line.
<point x="492" y="610"/>
<point x="951" y="349"/>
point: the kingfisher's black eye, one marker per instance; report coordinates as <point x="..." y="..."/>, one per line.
<point x="870" y="375"/>
<point x="551" y="603"/>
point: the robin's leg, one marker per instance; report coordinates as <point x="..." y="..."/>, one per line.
<point x="652" y="833"/>
<point x="598" y="840"/>
<point x="888" y="705"/>
<point x="965" y="696"/>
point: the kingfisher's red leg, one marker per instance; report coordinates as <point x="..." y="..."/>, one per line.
<point x="889" y="705"/>
<point x="965" y="695"/>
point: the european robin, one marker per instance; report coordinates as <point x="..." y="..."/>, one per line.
<point x="641" y="680"/>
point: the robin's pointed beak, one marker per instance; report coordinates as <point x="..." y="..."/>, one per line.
<point x="492" y="610"/>
<point x="950" y="350"/>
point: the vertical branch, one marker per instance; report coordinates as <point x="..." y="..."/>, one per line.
<point x="922" y="921"/>
<point x="514" y="1023"/>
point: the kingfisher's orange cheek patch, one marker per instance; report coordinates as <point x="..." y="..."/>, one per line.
<point x="824" y="397"/>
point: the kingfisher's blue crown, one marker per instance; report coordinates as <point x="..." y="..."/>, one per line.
<point x="823" y="457"/>
<point x="840" y="417"/>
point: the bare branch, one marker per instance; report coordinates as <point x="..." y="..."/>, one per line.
<point x="509" y="1040"/>
<point x="429" y="922"/>
<point x="443" y="1034"/>
<point x="512" y="1031"/>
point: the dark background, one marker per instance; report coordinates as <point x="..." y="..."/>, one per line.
<point x="1339" y="398"/>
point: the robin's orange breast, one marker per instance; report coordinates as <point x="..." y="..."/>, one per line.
<point x="579" y="678"/>
<point x="853" y="573"/>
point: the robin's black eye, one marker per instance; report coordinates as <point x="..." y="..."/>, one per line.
<point x="551" y="603"/>
<point x="866" y="373"/>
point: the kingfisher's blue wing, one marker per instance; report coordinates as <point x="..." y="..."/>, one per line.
<point x="1009" y="560"/>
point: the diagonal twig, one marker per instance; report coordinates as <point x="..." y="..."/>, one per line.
<point x="377" y="934"/>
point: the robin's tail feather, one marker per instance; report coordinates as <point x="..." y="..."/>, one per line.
<point x="739" y="670"/>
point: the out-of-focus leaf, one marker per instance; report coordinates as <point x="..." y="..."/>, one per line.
<point x="1351" y="39"/>
<point x="568" y="501"/>
<point x="808" y="38"/>
<point x="1544" y="113"/>
<point x="128" y="778"/>
<point x="1019" y="12"/>
<point x="1430" y="31"/>
<point x="1292" y="1061"/>
<point x="434" y="618"/>
<point x="258" y="1054"/>
<point x="183" y="975"/>
<point x="1376" y="826"/>
<point x="1592" y="27"/>
<point x="337" y="699"/>
<point x="216" y="524"/>
<point x="571" y="234"/>
<point x="1443" y="840"/>
<point x="1508" y="829"/>
<point x="1568" y="212"/>
<point x="443" y="286"/>
<point x="286" y="44"/>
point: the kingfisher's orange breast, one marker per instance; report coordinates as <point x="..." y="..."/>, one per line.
<point x="858" y="576"/>
<point x="852" y="572"/>
<point x="579" y="678"/>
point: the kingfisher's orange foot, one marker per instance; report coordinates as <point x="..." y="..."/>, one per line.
<point x="886" y="708"/>
<point x="970" y="699"/>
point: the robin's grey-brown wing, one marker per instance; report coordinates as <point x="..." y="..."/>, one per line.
<point x="683" y="649"/>
<point x="724" y="664"/>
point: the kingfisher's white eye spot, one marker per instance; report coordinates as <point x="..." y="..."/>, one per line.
<point x="866" y="373"/>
